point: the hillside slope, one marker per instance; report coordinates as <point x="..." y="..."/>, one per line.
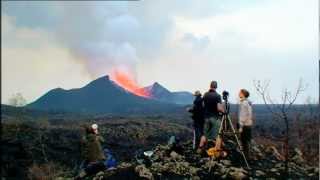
<point x="100" y="96"/>
<point x="159" y="92"/>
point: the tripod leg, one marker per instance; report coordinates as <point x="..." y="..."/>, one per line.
<point x="221" y="126"/>
<point x="238" y="142"/>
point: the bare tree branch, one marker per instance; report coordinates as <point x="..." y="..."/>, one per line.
<point x="280" y="110"/>
<point x="263" y="92"/>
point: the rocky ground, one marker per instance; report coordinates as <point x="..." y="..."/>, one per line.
<point x="184" y="163"/>
<point x="31" y="148"/>
<point x="50" y="150"/>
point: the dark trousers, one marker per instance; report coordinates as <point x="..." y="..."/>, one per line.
<point x="197" y="134"/>
<point x="245" y="138"/>
<point x="95" y="167"/>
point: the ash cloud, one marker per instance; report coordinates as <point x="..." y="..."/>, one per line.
<point x="93" y="37"/>
<point x="104" y="35"/>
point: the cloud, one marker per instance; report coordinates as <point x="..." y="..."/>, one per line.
<point x="32" y="15"/>
<point x="272" y="26"/>
<point x="183" y="45"/>
<point x="33" y="63"/>
<point x="101" y="58"/>
<point x="271" y="40"/>
<point x="107" y="29"/>
<point x="197" y="43"/>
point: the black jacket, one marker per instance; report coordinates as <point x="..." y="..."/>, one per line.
<point x="198" y="111"/>
<point x="211" y="99"/>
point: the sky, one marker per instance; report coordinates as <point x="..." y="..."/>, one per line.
<point x="182" y="44"/>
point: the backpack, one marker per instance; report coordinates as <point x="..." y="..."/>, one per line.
<point x="110" y="161"/>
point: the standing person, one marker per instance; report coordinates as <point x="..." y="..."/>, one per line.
<point x="198" y="119"/>
<point x="92" y="152"/>
<point x="212" y="110"/>
<point x="245" y="121"/>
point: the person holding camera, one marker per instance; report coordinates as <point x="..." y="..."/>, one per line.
<point x="212" y="112"/>
<point x="245" y="121"/>
<point x="197" y="111"/>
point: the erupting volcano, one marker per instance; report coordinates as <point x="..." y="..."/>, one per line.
<point x="126" y="81"/>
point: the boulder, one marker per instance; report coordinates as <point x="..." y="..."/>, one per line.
<point x="274" y="152"/>
<point x="260" y="173"/>
<point x="144" y="172"/>
<point x="168" y="164"/>
<point x="238" y="173"/>
<point x="226" y="162"/>
<point x="175" y="155"/>
<point x="274" y="170"/>
<point x="298" y="156"/>
<point x="298" y="152"/>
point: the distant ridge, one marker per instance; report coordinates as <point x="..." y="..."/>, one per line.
<point x="159" y="92"/>
<point x="99" y="96"/>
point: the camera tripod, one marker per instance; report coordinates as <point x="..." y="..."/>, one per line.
<point x="225" y="125"/>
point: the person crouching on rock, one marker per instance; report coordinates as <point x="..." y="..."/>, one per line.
<point x="245" y="121"/>
<point x="212" y="112"/>
<point x="198" y="119"/>
<point x="92" y="153"/>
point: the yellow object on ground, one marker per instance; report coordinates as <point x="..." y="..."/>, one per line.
<point x="213" y="152"/>
<point x="217" y="151"/>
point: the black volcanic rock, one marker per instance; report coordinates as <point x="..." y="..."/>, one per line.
<point x="166" y="163"/>
<point x="158" y="92"/>
<point x="99" y="96"/>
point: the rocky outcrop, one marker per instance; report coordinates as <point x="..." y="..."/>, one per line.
<point x="29" y="146"/>
<point x="32" y="144"/>
<point x="181" y="162"/>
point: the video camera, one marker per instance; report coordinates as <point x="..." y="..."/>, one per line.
<point x="225" y="95"/>
<point x="226" y="126"/>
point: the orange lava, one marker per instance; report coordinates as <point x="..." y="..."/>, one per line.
<point x="126" y="81"/>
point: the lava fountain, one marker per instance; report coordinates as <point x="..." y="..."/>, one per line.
<point x="126" y="81"/>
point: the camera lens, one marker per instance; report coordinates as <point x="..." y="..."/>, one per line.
<point x="225" y="95"/>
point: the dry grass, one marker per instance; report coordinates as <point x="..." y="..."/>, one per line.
<point x="48" y="171"/>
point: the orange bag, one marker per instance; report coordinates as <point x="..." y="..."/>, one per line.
<point x="217" y="151"/>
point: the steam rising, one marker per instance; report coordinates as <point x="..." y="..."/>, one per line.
<point x="100" y="38"/>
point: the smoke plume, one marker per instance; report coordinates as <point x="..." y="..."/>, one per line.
<point x="101" y="38"/>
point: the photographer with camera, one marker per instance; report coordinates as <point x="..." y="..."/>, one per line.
<point x="212" y="110"/>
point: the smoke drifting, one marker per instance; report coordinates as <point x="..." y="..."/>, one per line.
<point x="99" y="36"/>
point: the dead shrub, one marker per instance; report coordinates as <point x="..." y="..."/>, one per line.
<point x="48" y="171"/>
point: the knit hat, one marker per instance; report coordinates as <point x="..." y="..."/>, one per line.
<point x="197" y="93"/>
<point x="94" y="126"/>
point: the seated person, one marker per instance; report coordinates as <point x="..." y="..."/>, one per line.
<point x="92" y="152"/>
